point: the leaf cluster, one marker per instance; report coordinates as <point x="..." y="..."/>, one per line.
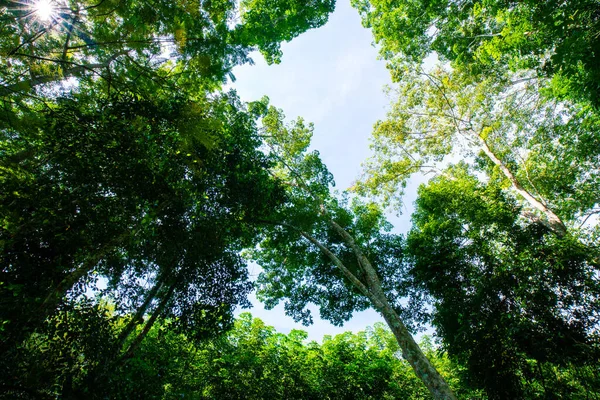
<point x="508" y="298"/>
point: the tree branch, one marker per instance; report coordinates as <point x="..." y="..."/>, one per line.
<point x="338" y="263"/>
<point x="554" y="221"/>
<point x="75" y="71"/>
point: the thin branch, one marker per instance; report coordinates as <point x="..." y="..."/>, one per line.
<point x="135" y="319"/>
<point x="31" y="40"/>
<point x="157" y="313"/>
<point x="76" y="70"/>
<point x="338" y="263"/>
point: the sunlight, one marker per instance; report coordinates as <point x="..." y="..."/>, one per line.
<point x="44" y="9"/>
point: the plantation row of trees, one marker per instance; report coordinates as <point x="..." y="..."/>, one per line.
<point x="121" y="158"/>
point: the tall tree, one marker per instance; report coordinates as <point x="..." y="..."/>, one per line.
<point x="151" y="195"/>
<point x="512" y="302"/>
<point x="542" y="148"/>
<point x="118" y="160"/>
<point x="317" y="250"/>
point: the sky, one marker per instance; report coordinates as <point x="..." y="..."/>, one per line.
<point x="332" y="77"/>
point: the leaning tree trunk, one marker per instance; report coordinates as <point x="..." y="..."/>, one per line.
<point x="553" y="221"/>
<point x="411" y="351"/>
<point x="133" y="346"/>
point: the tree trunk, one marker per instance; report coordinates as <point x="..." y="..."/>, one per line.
<point x="115" y="360"/>
<point x="426" y="372"/>
<point x="142" y="335"/>
<point x="411" y="351"/>
<point x="554" y="221"/>
<point x="139" y="314"/>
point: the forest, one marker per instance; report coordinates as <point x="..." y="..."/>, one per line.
<point x="137" y="188"/>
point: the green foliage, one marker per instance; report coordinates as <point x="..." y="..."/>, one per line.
<point x="325" y="250"/>
<point x="300" y="274"/>
<point x="58" y="359"/>
<point x="293" y="268"/>
<point x="267" y="23"/>
<point x="111" y="187"/>
<point x="515" y="304"/>
<point x="557" y="39"/>
<point x="542" y="149"/>
<point x="252" y="361"/>
<point x="562" y="162"/>
<point x="119" y="161"/>
<point x="140" y="46"/>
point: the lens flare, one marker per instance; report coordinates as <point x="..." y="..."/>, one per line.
<point x="44" y="9"/>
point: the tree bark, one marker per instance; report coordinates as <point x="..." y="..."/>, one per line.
<point x="554" y="221"/>
<point x="411" y="351"/>
<point x="60" y="291"/>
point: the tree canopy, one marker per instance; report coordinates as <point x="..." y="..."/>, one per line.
<point x="251" y="361"/>
<point x="119" y="162"/>
<point x="558" y="40"/>
<point x="135" y="190"/>
<point x="132" y="44"/>
<point x="504" y="240"/>
<point x="544" y="149"/>
<point x="513" y="302"/>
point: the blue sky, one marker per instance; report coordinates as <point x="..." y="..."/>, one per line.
<point x="332" y="77"/>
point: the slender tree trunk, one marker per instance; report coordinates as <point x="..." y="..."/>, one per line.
<point x="142" y="335"/>
<point x="139" y="314"/>
<point x="411" y="351"/>
<point x="115" y="360"/>
<point x="554" y="221"/>
<point x="60" y="290"/>
<point x="373" y="290"/>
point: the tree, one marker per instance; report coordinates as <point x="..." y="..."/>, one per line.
<point x="252" y="361"/>
<point x="515" y="304"/>
<point x="119" y="161"/>
<point x="135" y="44"/>
<point x="505" y="243"/>
<point x="150" y="194"/>
<point x="558" y="40"/>
<point x="314" y="249"/>
<point x="504" y="124"/>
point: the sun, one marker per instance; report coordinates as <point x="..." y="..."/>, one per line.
<point x="44" y="9"/>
